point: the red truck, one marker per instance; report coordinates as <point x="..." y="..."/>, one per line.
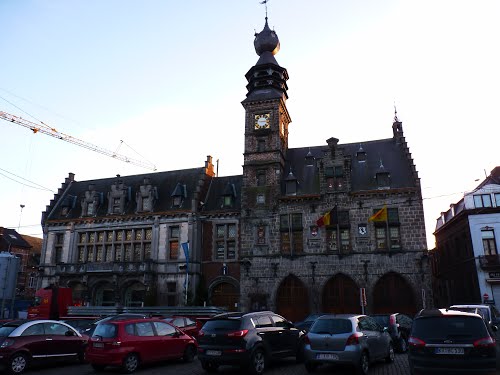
<point x="51" y="303"/>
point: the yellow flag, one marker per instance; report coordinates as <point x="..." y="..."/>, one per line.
<point x="380" y="215"/>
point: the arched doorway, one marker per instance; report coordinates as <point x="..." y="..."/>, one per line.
<point x="292" y="299"/>
<point x="341" y="295"/>
<point x="225" y="295"/>
<point x="392" y="293"/>
<point x="134" y="295"/>
<point x="104" y="294"/>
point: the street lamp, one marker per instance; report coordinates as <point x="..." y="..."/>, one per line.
<point x="20" y="215"/>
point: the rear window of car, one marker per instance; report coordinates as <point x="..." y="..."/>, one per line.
<point x="105" y="330"/>
<point x="451" y="327"/>
<point x="222" y="325"/>
<point x="383" y="320"/>
<point x="331" y="326"/>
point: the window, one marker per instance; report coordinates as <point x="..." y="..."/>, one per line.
<point x="388" y="233"/>
<point x="497" y="199"/>
<point x="261" y="178"/>
<point x="34" y="330"/>
<point x="261" y="235"/>
<point x="489" y="244"/>
<point x="225" y="243"/>
<point x="338" y="239"/>
<point x="171" y="293"/>
<point x="164" y="329"/>
<point x="261" y="199"/>
<point x="32" y="281"/>
<point x="228" y="200"/>
<point x="144" y="329"/>
<point x="291" y="234"/>
<point x="173" y="245"/>
<point x="116" y="205"/>
<point x="58" y="247"/>
<point x="482" y="200"/>
<point x="261" y="145"/>
<point x="383" y="180"/>
<point x="132" y="245"/>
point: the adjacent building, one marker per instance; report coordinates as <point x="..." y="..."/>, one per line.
<point x="334" y="227"/>
<point x="466" y="261"/>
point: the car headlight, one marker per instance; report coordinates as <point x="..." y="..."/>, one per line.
<point x="6" y="343"/>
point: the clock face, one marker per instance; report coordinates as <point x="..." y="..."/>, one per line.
<point x="262" y="121"/>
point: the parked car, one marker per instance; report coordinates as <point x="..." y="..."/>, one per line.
<point x="129" y="342"/>
<point x="399" y="327"/>
<point x="25" y="342"/>
<point x="308" y="321"/>
<point x="188" y="325"/>
<point x="347" y="339"/>
<point x="89" y="330"/>
<point x="249" y="340"/>
<point x="489" y="313"/>
<point x="450" y="341"/>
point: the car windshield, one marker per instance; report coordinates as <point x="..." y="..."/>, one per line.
<point x="222" y="325"/>
<point x="6" y="330"/>
<point x="331" y="326"/>
<point x="383" y="320"/>
<point x="105" y="330"/>
<point x="449" y="327"/>
<point x="475" y="310"/>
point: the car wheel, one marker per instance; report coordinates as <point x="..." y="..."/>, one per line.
<point x="189" y="353"/>
<point x="363" y="365"/>
<point x="98" y="368"/>
<point x="18" y="363"/>
<point x="390" y="354"/>
<point x="257" y="362"/>
<point x="311" y="367"/>
<point x="209" y="366"/>
<point x="130" y="363"/>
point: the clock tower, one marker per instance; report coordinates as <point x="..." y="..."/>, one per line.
<point x="266" y="128"/>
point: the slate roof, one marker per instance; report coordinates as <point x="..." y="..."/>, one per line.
<point x="392" y="155"/>
<point x="10" y="238"/>
<point x="218" y="188"/>
<point x="165" y="182"/>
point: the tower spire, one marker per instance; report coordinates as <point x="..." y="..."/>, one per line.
<point x="265" y="4"/>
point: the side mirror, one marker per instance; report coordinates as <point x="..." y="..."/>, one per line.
<point x="385" y="329"/>
<point x="494" y="327"/>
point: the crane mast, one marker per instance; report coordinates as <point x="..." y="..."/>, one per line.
<point x="45" y="129"/>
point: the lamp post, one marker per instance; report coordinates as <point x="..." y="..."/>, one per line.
<point x="20" y="215"/>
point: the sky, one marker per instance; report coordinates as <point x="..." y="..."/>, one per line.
<point x="162" y="82"/>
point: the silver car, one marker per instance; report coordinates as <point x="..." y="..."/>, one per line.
<point x="347" y="339"/>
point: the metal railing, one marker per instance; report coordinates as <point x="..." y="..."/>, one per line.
<point x="489" y="261"/>
<point x="105" y="267"/>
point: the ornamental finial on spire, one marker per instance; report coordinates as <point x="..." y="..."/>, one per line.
<point x="267" y="40"/>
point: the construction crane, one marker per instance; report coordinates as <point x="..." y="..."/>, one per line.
<point x="45" y="129"/>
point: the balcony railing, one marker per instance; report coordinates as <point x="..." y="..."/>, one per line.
<point x="105" y="267"/>
<point x="489" y="261"/>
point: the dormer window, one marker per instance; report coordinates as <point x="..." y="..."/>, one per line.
<point x="291" y="184"/>
<point x="361" y="155"/>
<point x="91" y="201"/>
<point x="383" y="180"/>
<point x="179" y="195"/>
<point x="229" y="195"/>
<point x="67" y="204"/>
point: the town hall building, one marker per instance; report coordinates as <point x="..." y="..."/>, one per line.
<point x="331" y="228"/>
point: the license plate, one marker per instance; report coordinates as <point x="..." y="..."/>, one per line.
<point x="453" y="351"/>
<point x="330" y="356"/>
<point x="98" y="345"/>
<point x="213" y="352"/>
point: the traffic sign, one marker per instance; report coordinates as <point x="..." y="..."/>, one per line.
<point x="486" y="296"/>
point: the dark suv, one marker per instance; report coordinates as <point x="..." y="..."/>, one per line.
<point x="248" y="340"/>
<point x="451" y="342"/>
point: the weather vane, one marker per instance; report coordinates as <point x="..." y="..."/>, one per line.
<point x="265" y="4"/>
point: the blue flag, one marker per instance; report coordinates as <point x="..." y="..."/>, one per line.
<point x="185" y="247"/>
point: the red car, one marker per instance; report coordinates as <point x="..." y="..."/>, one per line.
<point x="189" y="325"/>
<point x="25" y="342"/>
<point x="127" y="343"/>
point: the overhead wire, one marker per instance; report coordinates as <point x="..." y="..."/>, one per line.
<point x="40" y="187"/>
